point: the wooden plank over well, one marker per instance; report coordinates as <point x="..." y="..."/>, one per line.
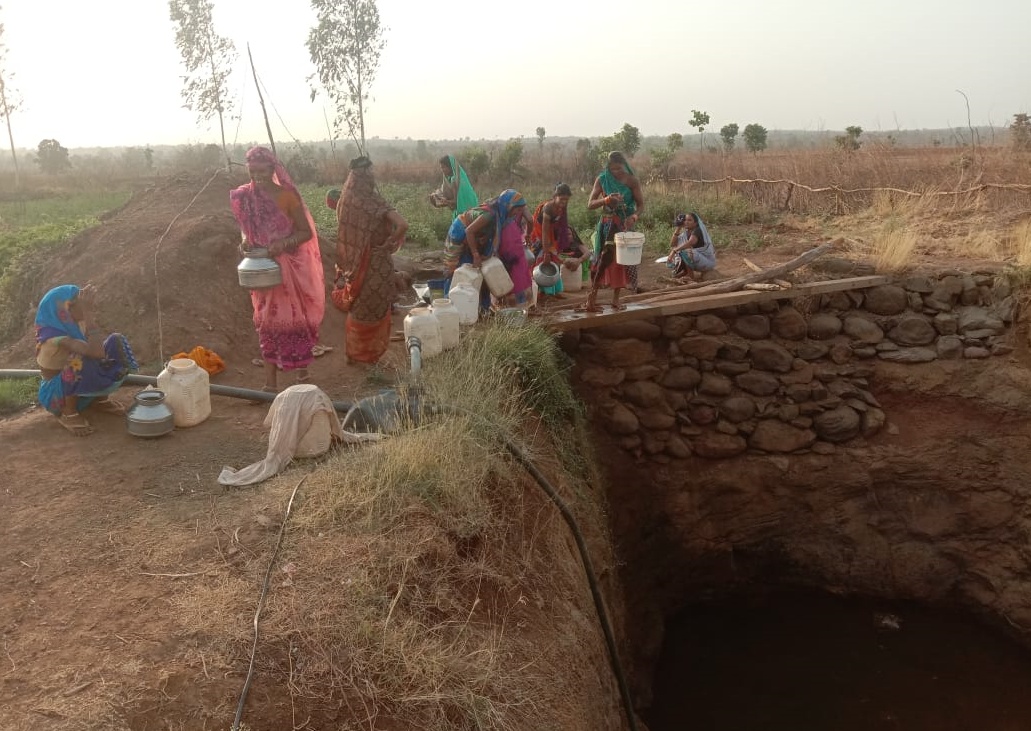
<point x="570" y="320"/>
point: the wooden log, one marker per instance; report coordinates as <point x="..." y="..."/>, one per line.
<point x="569" y="320"/>
<point x="731" y="285"/>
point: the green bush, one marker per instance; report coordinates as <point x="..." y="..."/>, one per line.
<point x="16" y="394"/>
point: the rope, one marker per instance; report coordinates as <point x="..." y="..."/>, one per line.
<point x="261" y="606"/>
<point x="239" y="118"/>
<point x="278" y="115"/>
<point x="838" y="189"/>
<point x="157" y="251"/>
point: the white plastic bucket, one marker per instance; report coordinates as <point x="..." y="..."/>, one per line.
<point x="496" y="276"/>
<point x="423" y="324"/>
<point x="316" y="441"/>
<point x="467" y="274"/>
<point x="186" y="391"/>
<point x="467" y="301"/>
<point x="572" y="280"/>
<point x="449" y="320"/>
<point x="629" y="247"/>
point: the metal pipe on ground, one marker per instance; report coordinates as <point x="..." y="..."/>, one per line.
<point x="135" y="379"/>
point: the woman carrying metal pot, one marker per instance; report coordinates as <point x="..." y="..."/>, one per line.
<point x="272" y="215"/>
<point x="553" y="239"/>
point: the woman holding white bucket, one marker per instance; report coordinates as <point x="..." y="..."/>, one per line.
<point x="617" y="191"/>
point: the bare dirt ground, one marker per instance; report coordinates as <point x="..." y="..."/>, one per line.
<point x="98" y="534"/>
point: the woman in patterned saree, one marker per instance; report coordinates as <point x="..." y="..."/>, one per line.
<point x="272" y="215"/>
<point x="369" y="232"/>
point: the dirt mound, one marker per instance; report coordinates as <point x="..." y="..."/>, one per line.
<point x="192" y="272"/>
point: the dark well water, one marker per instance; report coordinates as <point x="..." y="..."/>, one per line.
<point x="794" y="661"/>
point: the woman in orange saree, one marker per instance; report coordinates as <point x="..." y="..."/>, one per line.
<point x="369" y="231"/>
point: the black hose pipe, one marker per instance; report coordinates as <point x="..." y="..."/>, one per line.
<point x="567" y="515"/>
<point x="135" y="379"/>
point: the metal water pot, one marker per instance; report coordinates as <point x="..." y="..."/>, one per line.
<point x="258" y="270"/>
<point x="149" y="415"/>
<point x="547" y="274"/>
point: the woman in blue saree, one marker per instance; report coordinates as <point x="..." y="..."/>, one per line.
<point x="79" y="366"/>
<point x="494" y="229"/>
<point x="691" y="249"/>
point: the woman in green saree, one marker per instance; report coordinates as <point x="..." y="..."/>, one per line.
<point x="455" y="191"/>
<point x="617" y="192"/>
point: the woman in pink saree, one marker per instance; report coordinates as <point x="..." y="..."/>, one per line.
<point x="272" y="215"/>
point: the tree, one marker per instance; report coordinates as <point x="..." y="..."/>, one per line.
<point x="588" y="159"/>
<point x="849" y="142"/>
<point x="52" y="157"/>
<point x="663" y="156"/>
<point x="628" y="139"/>
<point x="540" y="138"/>
<point x="755" y="138"/>
<point x="728" y="133"/>
<point x="699" y="120"/>
<point x="8" y="102"/>
<point x="476" y="161"/>
<point x="1020" y="132"/>
<point x="208" y="59"/>
<point x="345" y="47"/>
<point x="506" y="164"/>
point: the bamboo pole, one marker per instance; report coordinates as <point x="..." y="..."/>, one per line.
<point x="261" y="100"/>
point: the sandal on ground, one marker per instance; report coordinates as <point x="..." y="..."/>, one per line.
<point x="108" y="405"/>
<point x="76" y="424"/>
<point x="587" y="308"/>
<point x="618" y="306"/>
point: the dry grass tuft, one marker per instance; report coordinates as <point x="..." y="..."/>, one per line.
<point x="401" y="591"/>
<point x="892" y="246"/>
<point x="985" y="244"/>
<point x="1020" y="239"/>
<point x="887" y="203"/>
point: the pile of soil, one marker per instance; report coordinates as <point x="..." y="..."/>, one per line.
<point x="167" y="292"/>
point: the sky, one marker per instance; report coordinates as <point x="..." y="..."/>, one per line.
<point x="107" y="73"/>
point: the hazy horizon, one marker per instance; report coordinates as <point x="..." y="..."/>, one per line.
<point x="487" y="74"/>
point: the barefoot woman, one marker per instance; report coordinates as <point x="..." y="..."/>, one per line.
<point x="272" y="215"/>
<point x="79" y="366"/>
<point x="617" y="191"/>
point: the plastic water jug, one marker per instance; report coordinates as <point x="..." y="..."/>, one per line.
<point x="422" y="323"/>
<point x="449" y="321"/>
<point x="316" y="441"/>
<point x="186" y="391"/>
<point x="572" y="280"/>
<point x="467" y="301"/>
<point x="496" y="277"/>
<point x="467" y="274"/>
